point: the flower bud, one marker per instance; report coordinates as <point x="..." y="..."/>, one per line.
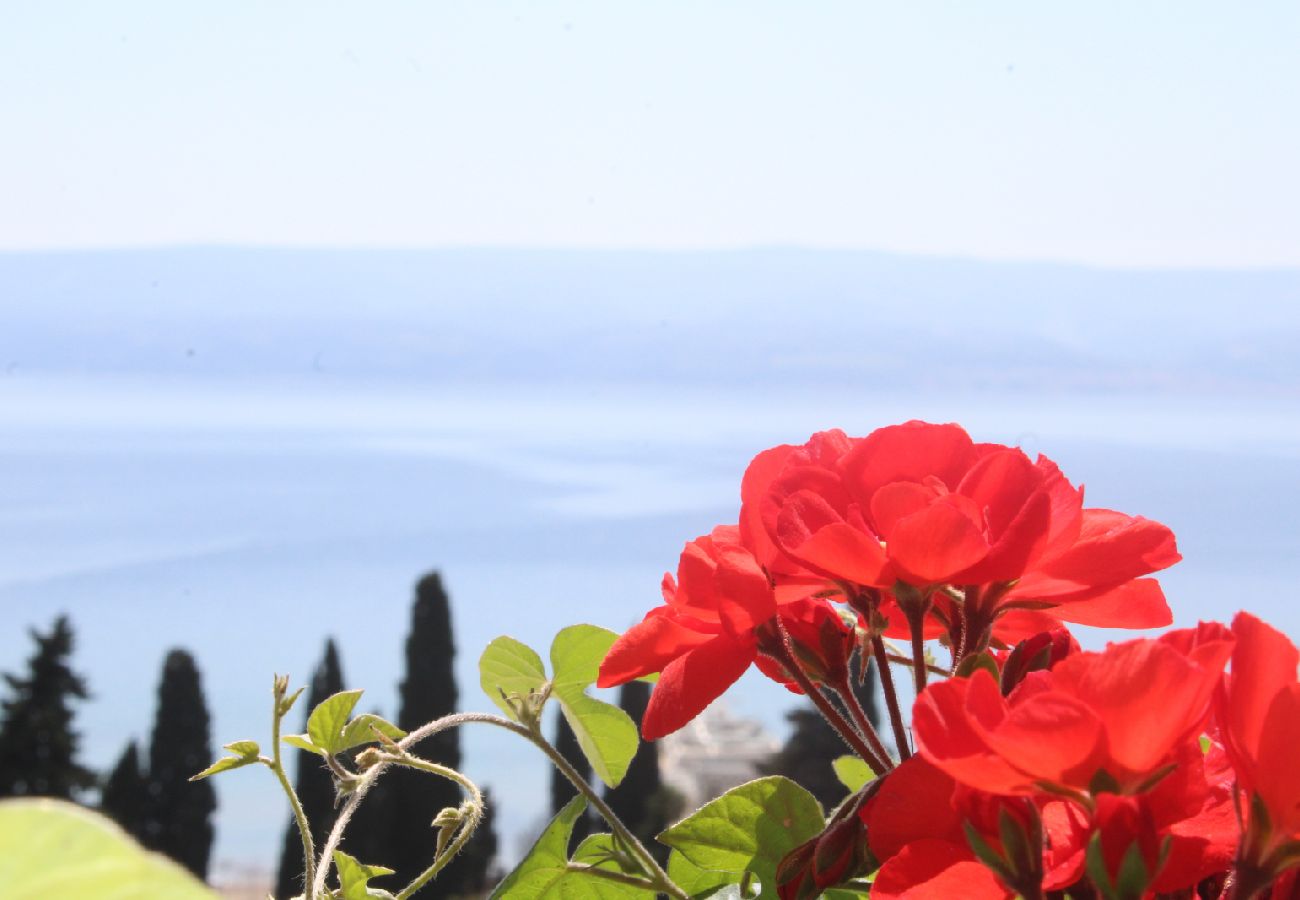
<point x="1033" y="654"/>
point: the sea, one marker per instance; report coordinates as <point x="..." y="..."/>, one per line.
<point x="247" y="520"/>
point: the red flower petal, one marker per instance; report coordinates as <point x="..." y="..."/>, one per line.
<point x="811" y="531"/>
<point x="647" y="647"/>
<point x="1052" y="737"/>
<point x="1112" y="548"/>
<point x="1018" y="545"/>
<point x="1263" y="663"/>
<point x="931" y="546"/>
<point x="936" y="870"/>
<point x="693" y="681"/>
<point x="907" y="452"/>
<point x="741" y="590"/>
<point x="1277" y="777"/>
<point x="1134" y="604"/>
<point x="950" y="720"/>
<point x="913" y="802"/>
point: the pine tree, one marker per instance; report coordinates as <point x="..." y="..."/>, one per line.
<point x="813" y="745"/>
<point x="562" y="790"/>
<point x="427" y="692"/>
<point x="314" y="784"/>
<point x="179" y="812"/>
<point x="125" y="796"/>
<point x="38" y="747"/>
<point x="644" y="803"/>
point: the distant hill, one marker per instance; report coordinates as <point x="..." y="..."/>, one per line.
<point x="756" y="317"/>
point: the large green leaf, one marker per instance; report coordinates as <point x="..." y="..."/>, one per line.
<point x="748" y="829"/>
<point x="602" y="852"/>
<point x="54" y="850"/>
<point x="606" y="734"/>
<point x="510" y="668"/>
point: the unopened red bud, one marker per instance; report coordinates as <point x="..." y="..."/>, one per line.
<point x="841" y="852"/>
<point x="794" y="874"/>
<point x="1041" y="651"/>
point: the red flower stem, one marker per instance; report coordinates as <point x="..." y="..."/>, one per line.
<point x="851" y="702"/>
<point x="785" y="655"/>
<point x="891" y="697"/>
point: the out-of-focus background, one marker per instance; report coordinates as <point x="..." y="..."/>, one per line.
<point x="302" y="301"/>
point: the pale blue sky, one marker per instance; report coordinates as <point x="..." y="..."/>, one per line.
<point x="1134" y="134"/>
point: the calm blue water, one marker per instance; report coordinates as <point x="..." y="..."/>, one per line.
<point x="247" y="522"/>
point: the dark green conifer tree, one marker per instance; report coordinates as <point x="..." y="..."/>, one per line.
<point x="314" y="784"/>
<point x="813" y="745"/>
<point x="562" y="790"/>
<point x="426" y="693"/>
<point x="125" y="796"/>
<point x="645" y="804"/>
<point x="38" y="746"/>
<point x="179" y="813"/>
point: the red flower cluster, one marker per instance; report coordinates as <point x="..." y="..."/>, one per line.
<point x="1157" y="767"/>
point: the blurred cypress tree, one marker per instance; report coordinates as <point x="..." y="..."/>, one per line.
<point x="314" y="784"/>
<point x="644" y="803"/>
<point x="813" y="745"/>
<point x="125" y="794"/>
<point x="562" y="790"/>
<point x="413" y="798"/>
<point x="178" y="819"/>
<point x="38" y="746"/>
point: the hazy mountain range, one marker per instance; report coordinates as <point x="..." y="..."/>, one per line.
<point x="756" y="317"/>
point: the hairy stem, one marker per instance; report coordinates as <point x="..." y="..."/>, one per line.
<point x="463" y="833"/>
<point x="916" y="621"/>
<point x="299" y="816"/>
<point x="785" y="655"/>
<point x="891" y="697"/>
<point x="658" y="876"/>
<point x="860" y="718"/>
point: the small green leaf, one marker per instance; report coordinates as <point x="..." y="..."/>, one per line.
<point x="976" y="661"/>
<point x="511" y="668"/>
<point x="354" y="877"/>
<point x="245" y="754"/>
<point x="607" y="735"/>
<point x="1206" y="743"/>
<point x="326" y="722"/>
<point x="852" y="772"/>
<point x="302" y="742"/>
<point x="359" y="732"/>
<point x="287" y="703"/>
<point x="748" y="829"/>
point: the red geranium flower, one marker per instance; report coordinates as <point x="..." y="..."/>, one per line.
<point x="1096" y="721"/>
<point x="705" y="635"/>
<point x="925" y="505"/>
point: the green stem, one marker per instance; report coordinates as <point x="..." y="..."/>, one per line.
<point x="463" y="834"/>
<point x="611" y="875"/>
<point x="304" y="828"/>
<point x="891" y="697"/>
<point x="658" y="875"/>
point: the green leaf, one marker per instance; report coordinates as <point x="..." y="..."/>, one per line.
<point x="54" y="849"/>
<point x="326" y="722"/>
<point x="697" y="882"/>
<point x="852" y="772"/>
<point x="287" y="703"/>
<point x="606" y="734"/>
<point x="359" y="732"/>
<point x="302" y="742"/>
<point x="748" y="829"/>
<point x="603" y="852"/>
<point x="353" y="877"/>
<point x="541" y="872"/>
<point x="246" y="753"/>
<point x="511" y="668"/>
